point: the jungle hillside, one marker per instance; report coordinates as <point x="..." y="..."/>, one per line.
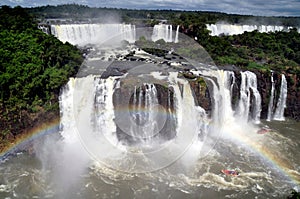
<point x="33" y="67"/>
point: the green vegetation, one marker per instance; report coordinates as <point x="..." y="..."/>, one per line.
<point x="33" y="67"/>
<point x="264" y="51"/>
<point x="82" y="12"/>
<point x="294" y="195"/>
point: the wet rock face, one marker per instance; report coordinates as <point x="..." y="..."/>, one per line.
<point x="127" y="97"/>
<point x="292" y="109"/>
<point x="293" y="97"/>
<point x="201" y="94"/>
<point x="264" y="85"/>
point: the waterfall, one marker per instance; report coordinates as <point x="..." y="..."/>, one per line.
<point x="83" y="34"/>
<point x="176" y="36"/>
<point x="165" y="32"/>
<point x="235" y="29"/>
<point x="86" y="107"/>
<point x="104" y="108"/>
<point x="191" y="119"/>
<point x="248" y="87"/>
<point x="271" y="102"/>
<point x="91" y="113"/>
<point x="281" y="104"/>
<point x="67" y="123"/>
<point x="144" y="112"/>
<point x="222" y="82"/>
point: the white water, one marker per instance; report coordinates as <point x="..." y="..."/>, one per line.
<point x="191" y="122"/>
<point x="91" y="114"/>
<point x="91" y="111"/>
<point x="281" y="104"/>
<point x="271" y="102"/>
<point x="222" y="85"/>
<point x="249" y="104"/>
<point x="104" y="108"/>
<point x="247" y="89"/>
<point x="165" y="32"/>
<point x="83" y="34"/>
<point x="67" y="111"/>
<point x="145" y="122"/>
<point x="176" y="36"/>
<point x="235" y="29"/>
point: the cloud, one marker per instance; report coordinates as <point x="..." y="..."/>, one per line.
<point x="249" y="7"/>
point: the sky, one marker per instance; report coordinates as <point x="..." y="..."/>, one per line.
<point x="248" y="7"/>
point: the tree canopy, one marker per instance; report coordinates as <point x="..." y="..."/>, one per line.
<point x="33" y="67"/>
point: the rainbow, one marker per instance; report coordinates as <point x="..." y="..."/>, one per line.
<point x="251" y="141"/>
<point x="32" y="134"/>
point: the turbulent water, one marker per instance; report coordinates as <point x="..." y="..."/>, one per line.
<point x="25" y="176"/>
<point x="133" y="129"/>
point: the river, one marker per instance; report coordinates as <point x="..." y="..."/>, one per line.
<point x="268" y="164"/>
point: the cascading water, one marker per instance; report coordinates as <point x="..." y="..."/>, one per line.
<point x="104" y="108"/>
<point x="67" y="111"/>
<point x="144" y="115"/>
<point x="249" y="103"/>
<point x="176" y="35"/>
<point x="165" y="32"/>
<point x="235" y="29"/>
<point x="185" y="104"/>
<point x="222" y="82"/>
<point x="83" y="34"/>
<point x="281" y="104"/>
<point x="271" y="102"/>
<point x="247" y="89"/>
<point x="97" y="119"/>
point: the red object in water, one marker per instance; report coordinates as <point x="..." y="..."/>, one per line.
<point x="230" y="172"/>
<point x="263" y="131"/>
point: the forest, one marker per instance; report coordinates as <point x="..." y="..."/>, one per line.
<point x="83" y="13"/>
<point x="33" y="67"/>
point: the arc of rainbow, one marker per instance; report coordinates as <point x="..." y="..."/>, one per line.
<point x="277" y="162"/>
<point x="34" y="133"/>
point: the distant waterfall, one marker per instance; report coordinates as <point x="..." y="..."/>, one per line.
<point x="83" y="34"/>
<point x="281" y="104"/>
<point x="235" y="29"/>
<point x="176" y="36"/>
<point x="248" y="87"/>
<point x="271" y="102"/>
<point x="165" y="32"/>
